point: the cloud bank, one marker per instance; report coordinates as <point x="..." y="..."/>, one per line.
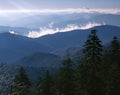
<point x="67" y="10"/>
<point x="45" y="31"/>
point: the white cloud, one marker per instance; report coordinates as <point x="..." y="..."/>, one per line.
<point x="51" y="24"/>
<point x="67" y="10"/>
<point x="45" y="31"/>
<point x="17" y="14"/>
<point x="12" y="32"/>
<point x="90" y="25"/>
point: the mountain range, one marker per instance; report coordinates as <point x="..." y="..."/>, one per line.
<point x="37" y="55"/>
<point x="60" y="41"/>
<point x="14" y="48"/>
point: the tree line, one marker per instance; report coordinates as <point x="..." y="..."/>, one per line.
<point x="98" y="73"/>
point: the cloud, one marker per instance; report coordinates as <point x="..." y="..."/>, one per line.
<point x="13" y="32"/>
<point x="45" y="31"/>
<point x="67" y="10"/>
<point x="90" y="25"/>
<point x="51" y="24"/>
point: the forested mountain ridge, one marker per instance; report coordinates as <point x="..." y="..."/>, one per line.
<point x="14" y="47"/>
<point x="37" y="63"/>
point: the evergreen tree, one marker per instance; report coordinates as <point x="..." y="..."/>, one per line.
<point x="113" y="61"/>
<point x="47" y="85"/>
<point x="89" y="81"/>
<point x="115" y="51"/>
<point x="115" y="47"/>
<point x="65" y="76"/>
<point x="93" y="51"/>
<point x="21" y="84"/>
<point x="38" y="87"/>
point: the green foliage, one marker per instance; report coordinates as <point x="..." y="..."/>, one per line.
<point x="21" y="84"/>
<point x="88" y="71"/>
<point x="7" y="73"/>
<point x="38" y="87"/>
<point x="115" y="47"/>
<point x="47" y="85"/>
<point x="93" y="51"/>
<point x="65" y="78"/>
<point x="112" y="65"/>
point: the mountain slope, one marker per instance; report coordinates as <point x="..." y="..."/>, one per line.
<point x="39" y="59"/>
<point x="78" y="37"/>
<point x="18" y="30"/>
<point x="13" y="47"/>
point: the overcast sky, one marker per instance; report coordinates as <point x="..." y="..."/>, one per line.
<point x="57" y="4"/>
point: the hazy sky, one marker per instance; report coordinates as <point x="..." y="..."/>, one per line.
<point x="57" y="4"/>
